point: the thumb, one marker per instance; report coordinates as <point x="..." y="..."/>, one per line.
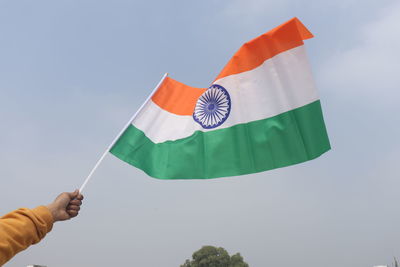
<point x="74" y="194"/>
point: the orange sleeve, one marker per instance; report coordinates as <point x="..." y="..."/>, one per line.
<point x="21" y="228"/>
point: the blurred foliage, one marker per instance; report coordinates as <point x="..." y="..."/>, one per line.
<point x="209" y="256"/>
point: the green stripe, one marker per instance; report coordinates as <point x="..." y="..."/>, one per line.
<point x="288" y="138"/>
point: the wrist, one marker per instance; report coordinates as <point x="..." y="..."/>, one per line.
<point x="53" y="211"/>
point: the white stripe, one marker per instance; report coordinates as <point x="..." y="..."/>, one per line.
<point x="280" y="84"/>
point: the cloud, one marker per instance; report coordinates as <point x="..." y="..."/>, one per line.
<point x="368" y="71"/>
<point x="246" y="11"/>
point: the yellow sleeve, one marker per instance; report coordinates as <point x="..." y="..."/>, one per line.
<point x="21" y="228"/>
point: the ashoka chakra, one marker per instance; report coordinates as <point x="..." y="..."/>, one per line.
<point x="212" y="107"/>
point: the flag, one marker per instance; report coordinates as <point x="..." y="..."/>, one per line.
<point x="262" y="112"/>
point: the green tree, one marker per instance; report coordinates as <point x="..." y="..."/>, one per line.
<point x="209" y="256"/>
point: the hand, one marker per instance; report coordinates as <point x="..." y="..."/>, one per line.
<point x="66" y="206"/>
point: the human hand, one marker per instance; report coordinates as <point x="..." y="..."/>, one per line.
<point x="66" y="206"/>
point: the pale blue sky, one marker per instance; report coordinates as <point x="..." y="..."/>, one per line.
<point x="73" y="72"/>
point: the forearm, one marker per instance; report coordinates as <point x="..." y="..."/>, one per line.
<point x="21" y="228"/>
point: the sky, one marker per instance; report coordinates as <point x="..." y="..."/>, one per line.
<point x="73" y="72"/>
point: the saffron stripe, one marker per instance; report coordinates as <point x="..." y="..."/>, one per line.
<point x="253" y="53"/>
<point x="176" y="97"/>
<point x="288" y="138"/>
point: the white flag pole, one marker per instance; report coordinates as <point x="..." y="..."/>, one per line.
<point x="120" y="133"/>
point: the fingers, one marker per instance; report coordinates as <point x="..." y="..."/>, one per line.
<point x="74" y="204"/>
<point x="73" y="207"/>
<point x="74" y="194"/>
<point x="73" y="210"/>
<point x="72" y="213"/>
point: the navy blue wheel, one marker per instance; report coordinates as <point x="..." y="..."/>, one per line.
<point x="213" y="107"/>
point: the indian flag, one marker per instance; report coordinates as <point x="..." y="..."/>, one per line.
<point x="262" y="112"/>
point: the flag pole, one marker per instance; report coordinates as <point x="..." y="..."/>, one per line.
<point x="120" y="133"/>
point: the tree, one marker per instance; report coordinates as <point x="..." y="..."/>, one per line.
<point x="209" y="256"/>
